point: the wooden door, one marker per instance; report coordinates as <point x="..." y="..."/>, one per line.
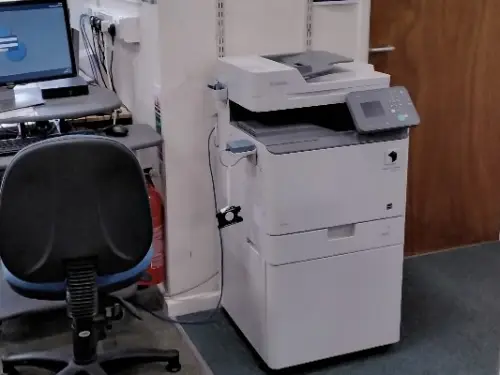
<point x="448" y="56"/>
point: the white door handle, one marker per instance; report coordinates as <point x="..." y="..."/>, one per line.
<point x="383" y="49"/>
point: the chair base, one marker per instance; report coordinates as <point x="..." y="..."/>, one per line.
<point x="105" y="364"/>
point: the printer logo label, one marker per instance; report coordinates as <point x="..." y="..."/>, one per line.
<point x="392" y="160"/>
<point x="391" y="157"/>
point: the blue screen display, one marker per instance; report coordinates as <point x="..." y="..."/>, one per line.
<point x="33" y="43"/>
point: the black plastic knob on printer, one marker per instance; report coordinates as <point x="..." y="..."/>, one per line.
<point x="394" y="156"/>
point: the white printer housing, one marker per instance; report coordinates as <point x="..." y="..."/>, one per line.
<point x="315" y="269"/>
<point x="261" y="84"/>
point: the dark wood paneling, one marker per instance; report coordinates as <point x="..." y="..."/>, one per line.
<point x="448" y="56"/>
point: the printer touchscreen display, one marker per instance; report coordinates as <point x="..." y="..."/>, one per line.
<point x="373" y="109"/>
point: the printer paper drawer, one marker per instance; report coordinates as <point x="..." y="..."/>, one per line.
<point x="278" y="250"/>
<point x="333" y="306"/>
<point x="306" y="191"/>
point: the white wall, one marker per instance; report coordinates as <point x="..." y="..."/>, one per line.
<point x="188" y="54"/>
<point x="187" y="34"/>
<point x="137" y="66"/>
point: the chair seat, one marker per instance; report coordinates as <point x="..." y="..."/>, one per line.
<point x="51" y="291"/>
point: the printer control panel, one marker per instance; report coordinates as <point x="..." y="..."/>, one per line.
<point x="382" y="109"/>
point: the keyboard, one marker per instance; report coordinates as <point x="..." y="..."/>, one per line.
<point x="13" y="146"/>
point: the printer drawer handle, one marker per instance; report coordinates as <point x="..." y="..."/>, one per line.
<point x="383" y="49"/>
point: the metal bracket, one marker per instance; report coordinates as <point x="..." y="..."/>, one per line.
<point x="382" y="49"/>
<point x="309" y="24"/>
<point x="229" y="216"/>
<point x="221" y="45"/>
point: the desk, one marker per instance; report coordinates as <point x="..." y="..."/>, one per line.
<point x="12" y="304"/>
<point x="99" y="101"/>
<point x="139" y="138"/>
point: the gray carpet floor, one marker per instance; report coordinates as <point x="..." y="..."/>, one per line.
<point x="451" y="324"/>
<point x="50" y="330"/>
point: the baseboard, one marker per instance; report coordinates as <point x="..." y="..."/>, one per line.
<point x="179" y="306"/>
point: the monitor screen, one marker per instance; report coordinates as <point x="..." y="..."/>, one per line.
<point x="35" y="41"/>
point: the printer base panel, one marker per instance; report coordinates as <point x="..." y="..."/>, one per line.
<point x="311" y="310"/>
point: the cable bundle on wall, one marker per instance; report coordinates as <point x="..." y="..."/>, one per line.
<point x="99" y="51"/>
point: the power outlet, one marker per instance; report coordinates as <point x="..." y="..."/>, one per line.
<point x="126" y="22"/>
<point x="105" y="15"/>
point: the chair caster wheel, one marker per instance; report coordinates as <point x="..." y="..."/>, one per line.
<point x="173" y="364"/>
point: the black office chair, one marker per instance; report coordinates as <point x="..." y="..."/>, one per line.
<point x="75" y="224"/>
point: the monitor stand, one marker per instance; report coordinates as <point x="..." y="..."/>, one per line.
<point x="20" y="97"/>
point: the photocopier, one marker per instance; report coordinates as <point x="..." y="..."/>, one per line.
<point x="315" y="268"/>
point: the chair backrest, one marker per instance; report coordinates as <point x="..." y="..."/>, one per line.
<point x="72" y="198"/>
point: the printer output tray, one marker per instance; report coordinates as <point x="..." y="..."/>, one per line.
<point x="285" y="139"/>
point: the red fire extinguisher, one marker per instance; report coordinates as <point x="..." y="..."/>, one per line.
<point x="156" y="273"/>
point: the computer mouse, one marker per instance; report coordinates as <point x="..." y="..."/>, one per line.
<point x="117" y="131"/>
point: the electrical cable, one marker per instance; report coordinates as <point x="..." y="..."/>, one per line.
<point x="96" y="45"/>
<point x="92" y="57"/>
<point x="89" y="48"/>
<point x="102" y="48"/>
<point x="96" y="27"/>
<point x="105" y="56"/>
<point x="89" y="79"/>
<point x="232" y="165"/>
<point x="112" y="60"/>
<point x="109" y="70"/>
<point x="97" y="52"/>
<point x="108" y="66"/>
<point x="206" y="281"/>
<point x="211" y="315"/>
<point x="86" y="45"/>
<point x="101" y="55"/>
<point x="102" y="58"/>
<point x="112" y="34"/>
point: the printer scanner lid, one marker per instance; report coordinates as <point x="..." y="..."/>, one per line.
<point x="295" y="80"/>
<point x="311" y="64"/>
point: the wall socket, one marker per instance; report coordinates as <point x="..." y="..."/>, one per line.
<point x="126" y="22"/>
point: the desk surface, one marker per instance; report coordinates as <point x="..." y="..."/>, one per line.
<point x="139" y="137"/>
<point x="99" y="101"/>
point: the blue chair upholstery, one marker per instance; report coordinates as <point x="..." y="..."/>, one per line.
<point x="105" y="283"/>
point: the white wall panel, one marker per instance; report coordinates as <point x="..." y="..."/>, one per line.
<point x="265" y="26"/>
<point x="188" y="55"/>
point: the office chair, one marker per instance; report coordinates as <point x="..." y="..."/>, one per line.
<point x="75" y="224"/>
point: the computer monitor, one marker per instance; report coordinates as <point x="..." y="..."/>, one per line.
<point x="35" y="46"/>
